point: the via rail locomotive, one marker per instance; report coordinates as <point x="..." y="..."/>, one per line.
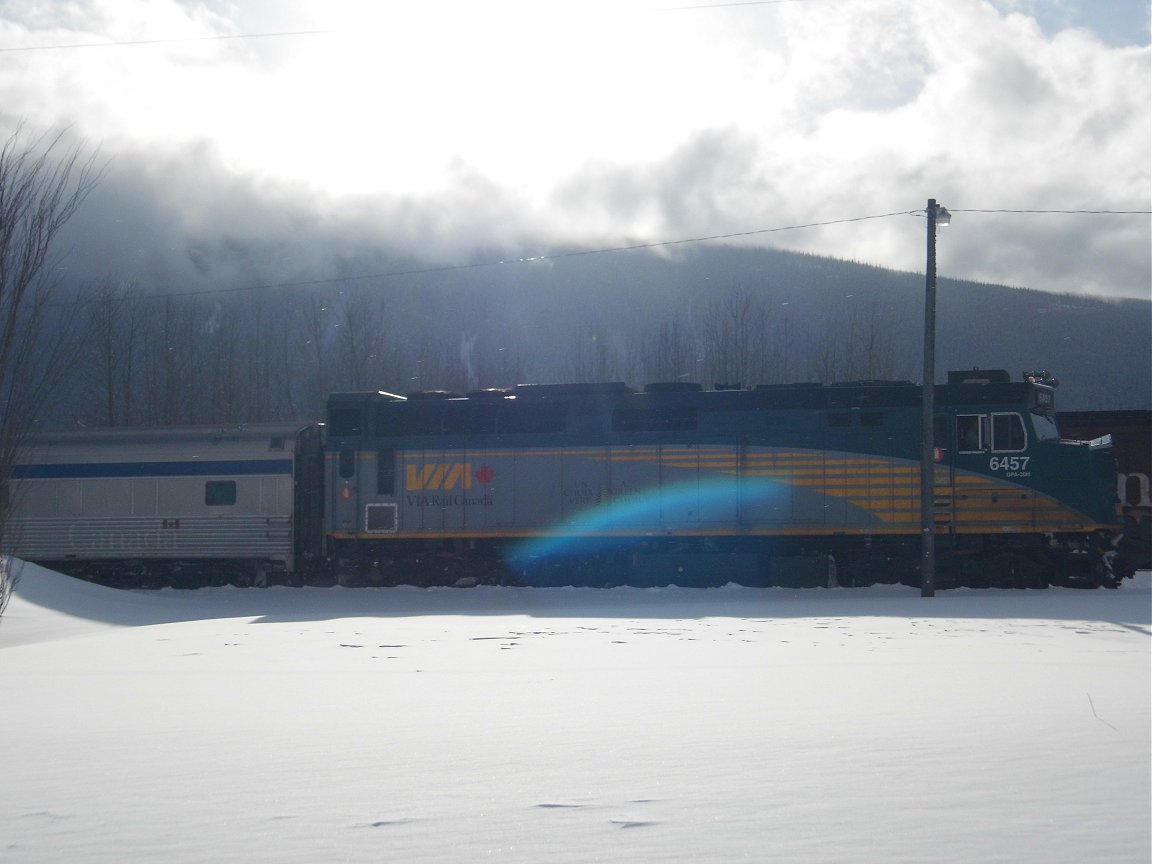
<point x="588" y="484"/>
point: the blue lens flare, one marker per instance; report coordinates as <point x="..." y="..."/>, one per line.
<point x="725" y="504"/>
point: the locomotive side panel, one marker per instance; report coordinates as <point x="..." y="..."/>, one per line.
<point x="811" y="470"/>
<point x="795" y="468"/>
<point x="455" y="492"/>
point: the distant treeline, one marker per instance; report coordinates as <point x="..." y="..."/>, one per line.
<point x="713" y="315"/>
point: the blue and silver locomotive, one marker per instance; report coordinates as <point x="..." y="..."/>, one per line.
<point x="775" y="485"/>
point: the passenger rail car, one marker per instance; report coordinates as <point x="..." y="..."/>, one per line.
<point x="176" y="506"/>
<point x="776" y="485"/>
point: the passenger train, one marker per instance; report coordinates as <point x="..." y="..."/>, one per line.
<point x="587" y="484"/>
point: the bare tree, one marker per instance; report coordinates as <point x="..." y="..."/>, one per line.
<point x="276" y="367"/>
<point x="172" y="336"/>
<point x="43" y="182"/>
<point x="878" y="354"/>
<point x="669" y="353"/>
<point x="368" y="357"/>
<point x="112" y="350"/>
<point x="589" y="356"/>
<point x="857" y="344"/>
<point x="736" y="339"/>
<point x="359" y="323"/>
<point x="309" y="333"/>
<point x="825" y="356"/>
<point x="223" y="365"/>
<point x="497" y="362"/>
<point x="439" y="364"/>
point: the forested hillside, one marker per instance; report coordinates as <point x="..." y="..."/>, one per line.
<point x="710" y="314"/>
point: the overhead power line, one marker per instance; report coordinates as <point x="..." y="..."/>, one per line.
<point x="169" y="41"/>
<point x="280" y="34"/>
<point x="657" y="243"/>
<point x="502" y="262"/>
<point x="1069" y="212"/>
<point x="576" y="253"/>
<point x="688" y="8"/>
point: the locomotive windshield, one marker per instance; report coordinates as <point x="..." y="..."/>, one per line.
<point x="1044" y="425"/>
<point x="1043" y="405"/>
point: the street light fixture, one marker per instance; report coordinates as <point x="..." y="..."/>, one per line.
<point x="936" y="216"/>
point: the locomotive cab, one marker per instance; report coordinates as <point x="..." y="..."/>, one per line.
<point x="1004" y="462"/>
<point x="1007" y="431"/>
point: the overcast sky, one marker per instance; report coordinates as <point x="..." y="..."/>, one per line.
<point x="447" y="129"/>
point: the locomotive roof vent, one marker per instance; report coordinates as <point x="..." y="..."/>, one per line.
<point x="876" y="382"/>
<point x="546" y="391"/>
<point x="363" y="396"/>
<point x="673" y="387"/>
<point x="795" y="385"/>
<point x="979" y="376"/>
<point x="428" y="395"/>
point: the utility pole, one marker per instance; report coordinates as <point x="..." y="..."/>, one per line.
<point x="936" y="215"/>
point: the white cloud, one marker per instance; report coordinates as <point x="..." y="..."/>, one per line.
<point x="606" y="121"/>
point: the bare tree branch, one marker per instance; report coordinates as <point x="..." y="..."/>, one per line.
<point x="43" y="181"/>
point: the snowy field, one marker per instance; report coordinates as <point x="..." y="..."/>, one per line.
<point x="548" y="725"/>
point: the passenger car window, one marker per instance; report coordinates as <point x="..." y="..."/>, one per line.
<point x="220" y="493"/>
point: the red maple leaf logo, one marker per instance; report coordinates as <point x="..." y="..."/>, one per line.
<point x="485" y="475"/>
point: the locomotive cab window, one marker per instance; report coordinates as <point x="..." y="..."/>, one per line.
<point x="971" y="433"/>
<point x="1044" y="427"/>
<point x="1008" y="433"/>
<point x="220" y="493"/>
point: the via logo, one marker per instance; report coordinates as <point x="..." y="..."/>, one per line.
<point x="444" y="476"/>
<point x="438" y="476"/>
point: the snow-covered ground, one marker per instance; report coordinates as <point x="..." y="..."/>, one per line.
<point x="541" y="725"/>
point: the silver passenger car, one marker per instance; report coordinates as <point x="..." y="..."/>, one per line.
<point x="190" y="505"/>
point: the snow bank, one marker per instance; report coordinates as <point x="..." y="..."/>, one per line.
<point x="657" y="725"/>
